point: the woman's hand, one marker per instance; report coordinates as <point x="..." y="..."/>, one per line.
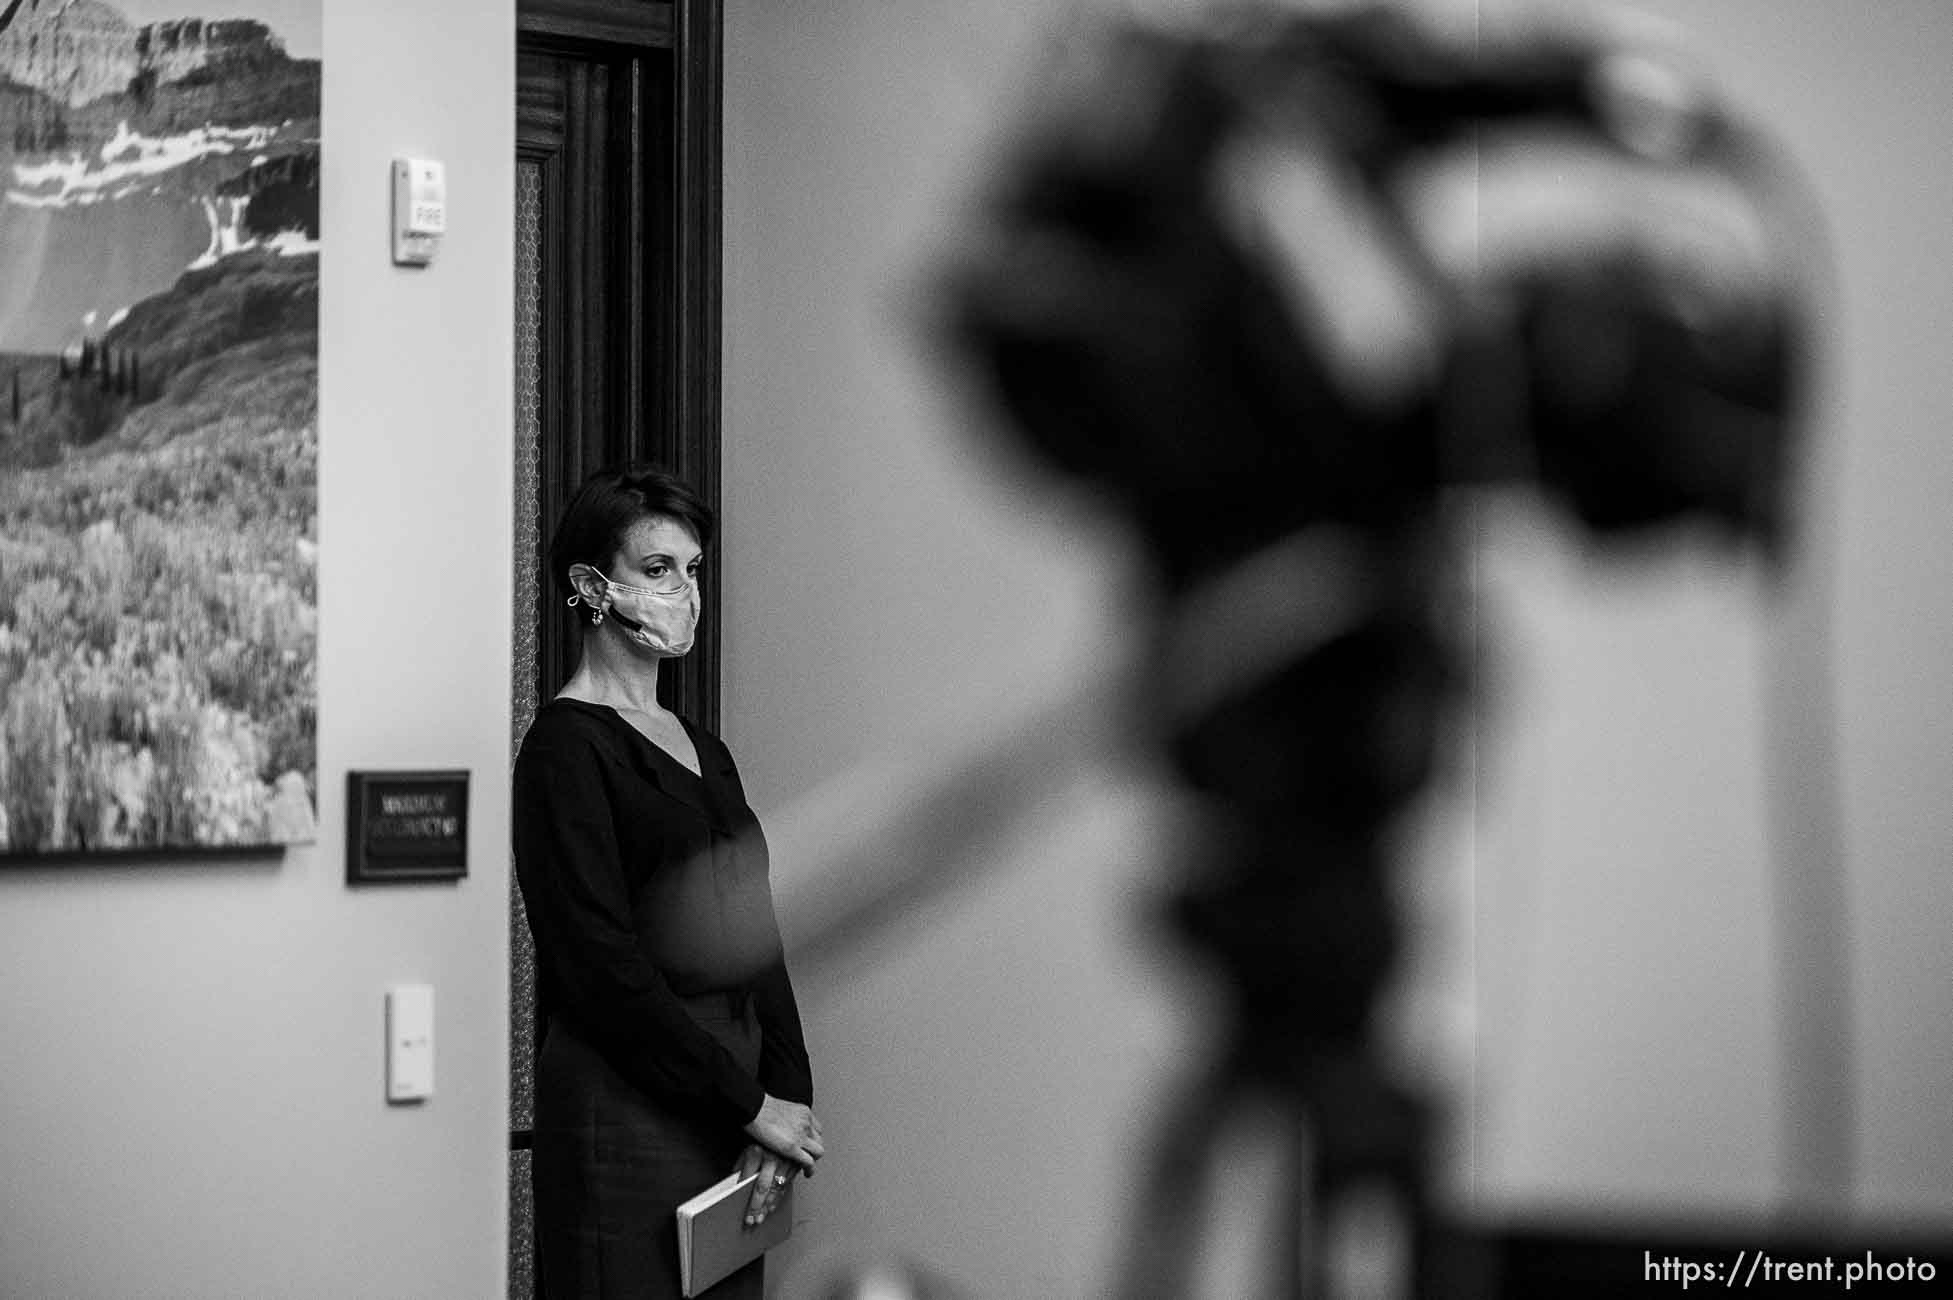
<point x="775" y="1172"/>
<point x="789" y="1130"/>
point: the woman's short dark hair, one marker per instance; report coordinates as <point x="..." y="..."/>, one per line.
<point x="608" y="504"/>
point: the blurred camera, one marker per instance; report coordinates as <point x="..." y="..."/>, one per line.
<point x="1139" y="345"/>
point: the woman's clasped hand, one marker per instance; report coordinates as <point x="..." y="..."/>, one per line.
<point x="786" y="1141"/>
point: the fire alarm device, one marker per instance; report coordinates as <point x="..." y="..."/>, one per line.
<point x="420" y="210"/>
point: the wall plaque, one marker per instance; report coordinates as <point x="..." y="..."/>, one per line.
<point x="406" y="826"/>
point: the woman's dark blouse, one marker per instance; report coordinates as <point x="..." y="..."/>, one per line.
<point x="645" y="883"/>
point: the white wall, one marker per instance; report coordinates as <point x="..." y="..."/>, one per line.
<point x="191" y="1080"/>
<point x="996" y="1058"/>
<point x="976" y="1068"/>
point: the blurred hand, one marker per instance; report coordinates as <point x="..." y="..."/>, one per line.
<point x="775" y="1175"/>
<point x="789" y="1130"/>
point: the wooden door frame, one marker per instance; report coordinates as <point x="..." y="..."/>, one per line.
<point x="641" y="200"/>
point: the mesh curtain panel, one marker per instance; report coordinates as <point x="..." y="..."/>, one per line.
<point x="528" y="601"/>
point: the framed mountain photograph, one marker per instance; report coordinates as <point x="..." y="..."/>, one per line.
<point x="159" y="270"/>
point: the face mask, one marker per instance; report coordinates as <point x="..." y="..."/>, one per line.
<point x="662" y="621"/>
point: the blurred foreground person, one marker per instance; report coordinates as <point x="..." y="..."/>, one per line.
<point x="673" y="1050"/>
<point x="1274" y="285"/>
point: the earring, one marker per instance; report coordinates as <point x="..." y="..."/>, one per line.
<point x="597" y="615"/>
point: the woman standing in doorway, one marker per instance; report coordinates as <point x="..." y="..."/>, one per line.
<point x="673" y="1051"/>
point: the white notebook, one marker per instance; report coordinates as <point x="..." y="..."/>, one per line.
<point x="713" y="1239"/>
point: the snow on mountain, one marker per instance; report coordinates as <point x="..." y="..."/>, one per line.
<point x="228" y="234"/>
<point x="123" y="165"/>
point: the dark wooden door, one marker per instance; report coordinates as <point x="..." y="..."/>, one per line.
<point x="617" y="351"/>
